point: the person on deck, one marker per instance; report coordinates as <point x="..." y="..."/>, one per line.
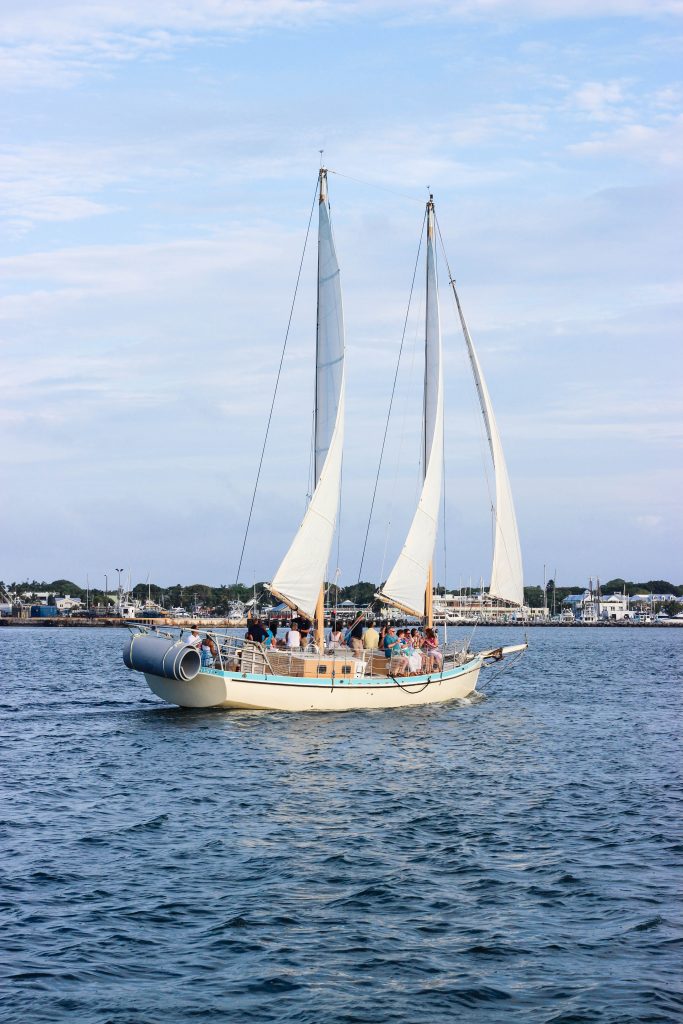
<point x="392" y="650"/>
<point x="409" y="650"/>
<point x="293" y="637"/>
<point x="355" y="640"/>
<point x="208" y="652"/>
<point x="258" y="631"/>
<point x="371" y="638"/>
<point x="194" y="638"/>
<point x="430" y="649"/>
<point x="335" y="638"/>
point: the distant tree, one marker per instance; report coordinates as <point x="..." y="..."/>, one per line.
<point x="66" y="588"/>
<point x="533" y="597"/>
<point x="615" y="586"/>
<point x="672" y="608"/>
<point x="661" y="587"/>
<point x="360" y="593"/>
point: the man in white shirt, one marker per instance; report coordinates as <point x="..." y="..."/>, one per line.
<point x="194" y="638"/>
<point x="293" y="637"/>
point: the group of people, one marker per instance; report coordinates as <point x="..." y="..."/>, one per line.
<point x="409" y="651"/>
<point x="206" y="646"/>
<point x="261" y="632"/>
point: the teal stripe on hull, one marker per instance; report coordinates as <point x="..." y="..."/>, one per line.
<point x="345" y="682"/>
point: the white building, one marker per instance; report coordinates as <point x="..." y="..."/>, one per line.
<point x="454" y="608"/>
<point x="68" y="604"/>
<point x="589" y="607"/>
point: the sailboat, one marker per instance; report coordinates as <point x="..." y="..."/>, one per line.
<point x="243" y="674"/>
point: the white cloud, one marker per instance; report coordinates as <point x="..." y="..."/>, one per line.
<point x="57" y="42"/>
<point x="602" y="101"/>
<point x="648" y="522"/>
<point x="640" y="142"/>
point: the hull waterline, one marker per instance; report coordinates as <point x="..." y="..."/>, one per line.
<point x="215" y="689"/>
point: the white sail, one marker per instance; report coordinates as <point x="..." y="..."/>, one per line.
<point x="407" y="582"/>
<point x="301" y="575"/>
<point x="507" y="580"/>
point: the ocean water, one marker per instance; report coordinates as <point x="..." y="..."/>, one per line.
<point x="518" y="858"/>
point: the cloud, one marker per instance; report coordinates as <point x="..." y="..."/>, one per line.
<point x="602" y="101"/>
<point x="648" y="522"/>
<point x="639" y="142"/>
<point x="56" y="42"/>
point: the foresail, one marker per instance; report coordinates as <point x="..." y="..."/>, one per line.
<point x="407" y="581"/>
<point x="507" y="580"/>
<point x="302" y="571"/>
<point x="301" y="575"/>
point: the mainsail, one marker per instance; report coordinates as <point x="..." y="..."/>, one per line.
<point x="407" y="582"/>
<point x="507" y="581"/>
<point x="301" y="575"/>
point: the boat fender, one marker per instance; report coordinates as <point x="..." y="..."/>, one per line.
<point x="160" y="656"/>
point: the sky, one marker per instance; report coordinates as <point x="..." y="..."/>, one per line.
<point x="158" y="164"/>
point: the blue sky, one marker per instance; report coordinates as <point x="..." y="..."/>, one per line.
<point x="156" y="173"/>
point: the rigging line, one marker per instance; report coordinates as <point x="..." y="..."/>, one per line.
<point x="277" y="382"/>
<point x="311" y="460"/>
<point x="479" y="418"/>
<point x="451" y="281"/>
<point x="399" y="453"/>
<point x="339" y="528"/>
<point x="372" y="184"/>
<point x="391" y="401"/>
<point x="445" y="547"/>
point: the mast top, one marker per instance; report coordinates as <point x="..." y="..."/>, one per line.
<point x="430" y="216"/>
<point x="323" y="184"/>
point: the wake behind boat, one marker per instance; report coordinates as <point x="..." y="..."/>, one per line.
<point x="246" y="674"/>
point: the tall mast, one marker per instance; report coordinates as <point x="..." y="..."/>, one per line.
<point x="300" y="578"/>
<point x="429" y="589"/>
<point x="319" y="625"/>
<point x="409" y="585"/>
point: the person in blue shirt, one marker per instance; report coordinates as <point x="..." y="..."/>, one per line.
<point x="392" y="650"/>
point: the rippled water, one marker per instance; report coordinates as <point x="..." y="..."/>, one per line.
<point x="514" y="859"/>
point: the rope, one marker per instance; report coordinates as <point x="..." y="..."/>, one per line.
<point x="445" y="550"/>
<point x="391" y="403"/>
<point x="504" y="666"/>
<point x="403" y="687"/>
<point x="277" y="382"/>
<point x="372" y="184"/>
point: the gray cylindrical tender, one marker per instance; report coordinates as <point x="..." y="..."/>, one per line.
<point x="173" y="659"/>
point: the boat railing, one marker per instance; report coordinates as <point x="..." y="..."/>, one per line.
<point x="238" y="654"/>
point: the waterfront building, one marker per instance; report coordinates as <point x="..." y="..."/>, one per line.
<point x="591" y="607"/>
<point x="457" y="607"/>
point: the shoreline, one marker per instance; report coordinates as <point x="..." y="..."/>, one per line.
<point x="113" y="623"/>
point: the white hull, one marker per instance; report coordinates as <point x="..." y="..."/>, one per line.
<point x="216" y="689"/>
